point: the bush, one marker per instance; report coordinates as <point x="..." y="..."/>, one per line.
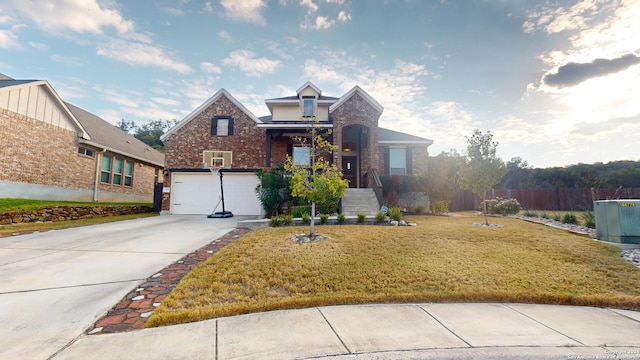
<point x="502" y="206"/>
<point x="419" y="210"/>
<point x="530" y="213"/>
<point x="557" y="217"/>
<point x="544" y="215"/>
<point x="298" y="211"/>
<point x="395" y="213"/>
<point x="341" y="219"/>
<point x="287" y="220"/>
<point x="275" y="221"/>
<point x="569" y="218"/>
<point x="589" y="219"/>
<point x="324" y="218"/>
<point x="441" y="207"/>
<point x="306" y="218"/>
<point x="361" y="218"/>
<point x="380" y="216"/>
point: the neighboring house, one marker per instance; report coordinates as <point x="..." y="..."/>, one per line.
<point x="52" y="150"/>
<point x="223" y="133"/>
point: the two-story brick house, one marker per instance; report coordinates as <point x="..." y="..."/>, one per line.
<point x="222" y="132"/>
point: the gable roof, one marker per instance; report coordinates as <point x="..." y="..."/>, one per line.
<point x="386" y="136"/>
<point x="206" y="104"/>
<point x="311" y="85"/>
<point x="357" y="90"/>
<point x="7" y="83"/>
<point x="108" y="136"/>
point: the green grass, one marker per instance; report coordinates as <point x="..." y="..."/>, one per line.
<point x="45" y="226"/>
<point x="443" y="259"/>
<point x="20" y="205"/>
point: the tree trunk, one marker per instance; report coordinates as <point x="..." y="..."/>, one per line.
<point x="313" y="216"/>
<point x="484" y="201"/>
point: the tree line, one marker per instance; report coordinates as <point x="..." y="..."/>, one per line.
<point x="149" y="133"/>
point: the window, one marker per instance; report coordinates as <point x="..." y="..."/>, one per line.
<point x="222" y="126"/>
<point x="397" y="161"/>
<point x="301" y="156"/>
<point x="113" y="169"/>
<point x="308" y="105"/>
<point x="117" y="171"/>
<point x="85" y="151"/>
<point x="128" y="173"/>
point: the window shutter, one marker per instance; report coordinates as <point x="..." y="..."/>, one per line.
<point x="230" y="126"/>
<point x="387" y="169"/>
<point x="214" y="126"/>
<point x="409" y="161"/>
<point x="290" y="150"/>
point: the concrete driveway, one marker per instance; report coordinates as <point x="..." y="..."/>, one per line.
<point x="55" y="284"/>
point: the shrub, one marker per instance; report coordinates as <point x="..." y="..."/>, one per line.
<point x="306" y="218"/>
<point x="380" y="216"/>
<point x="395" y="213"/>
<point x="419" y="210"/>
<point x="502" y="206"/>
<point x="569" y="218"/>
<point x="341" y="219"/>
<point x="275" y="221"/>
<point x="589" y="219"/>
<point x="530" y="213"/>
<point x="544" y="215"/>
<point x="298" y="211"/>
<point x="361" y="218"/>
<point x="328" y="205"/>
<point x="324" y="218"/>
<point x="557" y="217"/>
<point x="441" y="206"/>
<point x="287" y="220"/>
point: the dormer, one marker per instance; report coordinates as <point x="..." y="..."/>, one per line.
<point x="308" y="95"/>
<point x="307" y="103"/>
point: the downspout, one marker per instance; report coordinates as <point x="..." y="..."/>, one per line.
<point x="97" y="177"/>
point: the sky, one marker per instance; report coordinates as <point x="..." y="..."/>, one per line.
<point x="556" y="82"/>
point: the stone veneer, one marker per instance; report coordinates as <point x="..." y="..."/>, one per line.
<point x="66" y="213"/>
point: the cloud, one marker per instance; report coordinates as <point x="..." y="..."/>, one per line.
<point x="141" y="54"/>
<point x="210" y="67"/>
<point x="247" y="63"/>
<point x="67" y="60"/>
<point x="575" y="73"/>
<point x="166" y="101"/>
<point x="87" y="16"/>
<point x="321" y="22"/>
<point x="553" y="19"/>
<point x="607" y="127"/>
<point x="174" y="11"/>
<point x="224" y="35"/>
<point x="343" y="16"/>
<point x="245" y="10"/>
<point x="207" y="8"/>
<point x="8" y="40"/>
<point x="39" y="46"/>
<point x="309" y="5"/>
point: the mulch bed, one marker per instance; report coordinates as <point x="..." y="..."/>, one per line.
<point x="134" y="309"/>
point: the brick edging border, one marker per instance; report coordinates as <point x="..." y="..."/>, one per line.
<point x="134" y="309"/>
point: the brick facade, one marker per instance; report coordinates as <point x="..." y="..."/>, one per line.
<point x="26" y="157"/>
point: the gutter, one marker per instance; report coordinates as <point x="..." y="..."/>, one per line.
<point x="116" y="151"/>
<point x="97" y="177"/>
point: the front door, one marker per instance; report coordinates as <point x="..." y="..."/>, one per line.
<point x="350" y="170"/>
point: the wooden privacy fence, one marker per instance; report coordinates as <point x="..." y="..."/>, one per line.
<point x="545" y="199"/>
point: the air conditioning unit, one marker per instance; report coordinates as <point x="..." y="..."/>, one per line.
<point x="618" y="221"/>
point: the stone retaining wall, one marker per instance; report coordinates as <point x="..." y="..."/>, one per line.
<point x="65" y="213"/>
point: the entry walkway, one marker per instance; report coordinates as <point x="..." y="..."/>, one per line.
<point x="408" y="331"/>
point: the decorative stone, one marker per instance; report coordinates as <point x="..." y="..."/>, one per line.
<point x="394" y="223"/>
<point x="139" y="297"/>
<point x="156" y="275"/>
<point x="146" y="315"/>
<point x="96" y="330"/>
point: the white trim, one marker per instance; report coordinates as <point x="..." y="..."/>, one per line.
<point x="311" y="85"/>
<point x="356" y="89"/>
<point x="67" y="111"/>
<point x="205" y="105"/>
<point x="294" y="126"/>
<point x="428" y="142"/>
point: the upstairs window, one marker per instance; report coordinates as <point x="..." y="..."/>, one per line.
<point x="85" y="151"/>
<point x="222" y="126"/>
<point x="308" y="106"/>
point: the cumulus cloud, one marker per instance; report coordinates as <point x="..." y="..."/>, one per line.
<point x="246" y="61"/>
<point x="343" y="16"/>
<point x="553" y="19"/>
<point x="575" y="73"/>
<point x="320" y="22"/>
<point x="8" y="39"/>
<point x="141" y="54"/>
<point x="87" y="16"/>
<point x="607" y="127"/>
<point x="210" y="68"/>
<point x="245" y="10"/>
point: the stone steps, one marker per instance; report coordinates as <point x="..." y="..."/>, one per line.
<point x="357" y="201"/>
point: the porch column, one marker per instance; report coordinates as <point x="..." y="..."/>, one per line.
<point x="267" y="162"/>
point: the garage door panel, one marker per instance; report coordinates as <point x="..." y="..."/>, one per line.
<point x="199" y="193"/>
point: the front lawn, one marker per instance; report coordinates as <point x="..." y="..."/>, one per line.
<point x="443" y="259"/>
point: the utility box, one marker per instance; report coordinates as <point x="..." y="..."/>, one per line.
<point x="618" y="221"/>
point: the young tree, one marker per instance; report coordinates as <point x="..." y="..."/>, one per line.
<point x="318" y="179"/>
<point x="444" y="179"/>
<point x="482" y="169"/>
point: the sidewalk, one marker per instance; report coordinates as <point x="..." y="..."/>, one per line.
<point x="407" y="331"/>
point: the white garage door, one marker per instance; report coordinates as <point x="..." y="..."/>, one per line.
<point x="199" y="193"/>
